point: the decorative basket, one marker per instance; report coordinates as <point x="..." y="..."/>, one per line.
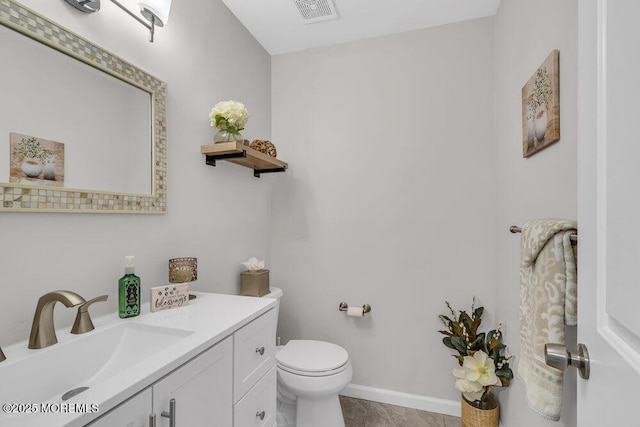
<point x="476" y="417"/>
<point x="265" y="147"/>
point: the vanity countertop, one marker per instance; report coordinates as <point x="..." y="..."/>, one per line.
<point x="207" y="320"/>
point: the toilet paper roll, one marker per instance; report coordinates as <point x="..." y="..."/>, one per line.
<point x="355" y="311"/>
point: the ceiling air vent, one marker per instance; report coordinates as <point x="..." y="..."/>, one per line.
<point x="316" y="10"/>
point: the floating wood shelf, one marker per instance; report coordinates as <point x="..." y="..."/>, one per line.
<point x="244" y="155"/>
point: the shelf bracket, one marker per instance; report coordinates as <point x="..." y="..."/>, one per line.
<point x="211" y="158"/>
<point x="257" y="172"/>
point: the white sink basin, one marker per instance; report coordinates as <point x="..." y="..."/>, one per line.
<point x="45" y="375"/>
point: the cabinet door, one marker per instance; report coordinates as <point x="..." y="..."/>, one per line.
<point x="202" y="390"/>
<point x="132" y="413"/>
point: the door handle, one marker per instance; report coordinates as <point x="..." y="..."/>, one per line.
<point x="171" y="414"/>
<point x="557" y="356"/>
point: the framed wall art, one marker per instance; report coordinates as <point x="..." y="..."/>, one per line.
<point x="541" y="107"/>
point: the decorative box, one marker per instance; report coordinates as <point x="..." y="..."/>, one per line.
<point x="254" y="283"/>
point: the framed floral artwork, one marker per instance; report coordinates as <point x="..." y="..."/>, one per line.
<point x="541" y="107"/>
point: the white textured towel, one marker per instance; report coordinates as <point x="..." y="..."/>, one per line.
<point x="547" y="302"/>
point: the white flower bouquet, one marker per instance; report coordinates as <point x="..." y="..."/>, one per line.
<point x="229" y="115"/>
<point x="480" y="356"/>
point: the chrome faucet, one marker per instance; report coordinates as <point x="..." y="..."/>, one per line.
<point x="43" y="333"/>
<point x="83" y="321"/>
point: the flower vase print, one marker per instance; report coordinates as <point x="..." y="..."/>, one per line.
<point x="541" y="107"/>
<point x="36" y="161"/>
<point x="481" y="359"/>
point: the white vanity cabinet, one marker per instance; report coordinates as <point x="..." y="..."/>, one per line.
<point x="233" y="383"/>
<point x="254" y="380"/>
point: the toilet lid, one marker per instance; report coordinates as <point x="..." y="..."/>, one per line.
<point x="312" y="356"/>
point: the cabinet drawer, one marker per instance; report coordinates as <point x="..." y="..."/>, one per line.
<point x="254" y="349"/>
<point x="260" y="399"/>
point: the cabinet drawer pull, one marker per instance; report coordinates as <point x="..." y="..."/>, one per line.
<point x="260" y="350"/>
<point x="260" y="415"/>
<point x="171" y="414"/>
<point x="152" y="420"/>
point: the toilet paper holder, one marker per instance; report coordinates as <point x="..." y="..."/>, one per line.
<point x="344" y="307"/>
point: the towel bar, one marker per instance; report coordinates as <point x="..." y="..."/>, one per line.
<point x="515" y="229"/>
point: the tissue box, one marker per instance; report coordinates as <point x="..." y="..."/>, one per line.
<point x="254" y="283"/>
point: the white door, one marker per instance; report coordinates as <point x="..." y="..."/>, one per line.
<point x="609" y="210"/>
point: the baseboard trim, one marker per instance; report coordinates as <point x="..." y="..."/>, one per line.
<point x="415" y="401"/>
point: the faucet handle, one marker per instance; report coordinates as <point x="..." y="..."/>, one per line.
<point x="83" y="321"/>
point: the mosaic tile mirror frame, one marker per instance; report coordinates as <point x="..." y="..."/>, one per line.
<point x="25" y="198"/>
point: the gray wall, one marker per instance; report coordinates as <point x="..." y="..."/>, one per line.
<point x="390" y="199"/>
<point x="219" y="215"/>
<point x="407" y="171"/>
<point x="544" y="185"/>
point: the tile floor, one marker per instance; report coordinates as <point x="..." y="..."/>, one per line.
<point x="364" y="413"/>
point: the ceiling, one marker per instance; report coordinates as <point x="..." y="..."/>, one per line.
<point x="279" y="27"/>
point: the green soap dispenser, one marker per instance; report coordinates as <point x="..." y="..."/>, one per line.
<point x="129" y="291"/>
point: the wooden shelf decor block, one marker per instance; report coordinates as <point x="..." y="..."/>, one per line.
<point x="243" y="155"/>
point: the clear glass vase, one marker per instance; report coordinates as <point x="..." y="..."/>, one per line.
<point x="228" y="134"/>
<point x="489" y="402"/>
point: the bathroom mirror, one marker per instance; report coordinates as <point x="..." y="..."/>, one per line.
<point x="81" y="130"/>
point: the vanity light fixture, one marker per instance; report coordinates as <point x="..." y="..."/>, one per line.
<point x="155" y="12"/>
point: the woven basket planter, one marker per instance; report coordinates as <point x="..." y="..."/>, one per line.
<point x="476" y="417"/>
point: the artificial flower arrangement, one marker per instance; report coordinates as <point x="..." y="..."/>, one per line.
<point x="228" y="117"/>
<point x="483" y="364"/>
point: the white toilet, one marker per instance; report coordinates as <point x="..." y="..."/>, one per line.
<point x="310" y="376"/>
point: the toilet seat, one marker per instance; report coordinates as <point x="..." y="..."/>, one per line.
<point x="312" y="358"/>
<point x="313" y="374"/>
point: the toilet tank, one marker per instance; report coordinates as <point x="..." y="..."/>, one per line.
<point x="276" y="293"/>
